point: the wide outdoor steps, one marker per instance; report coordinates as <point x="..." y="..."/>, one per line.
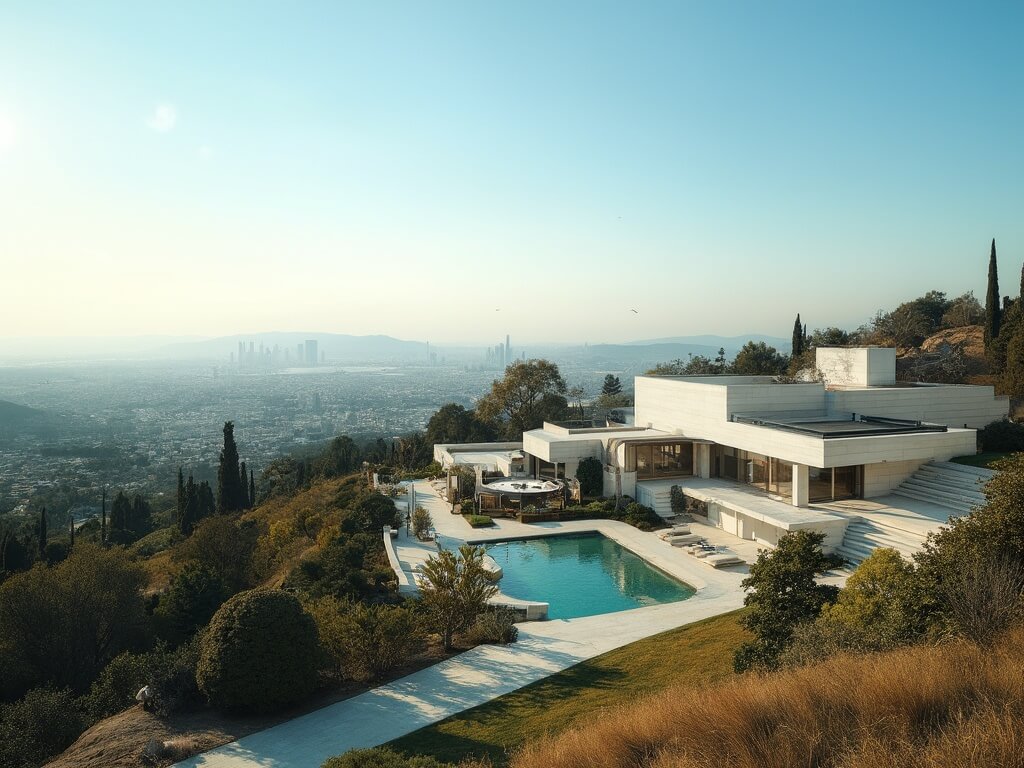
<point x="864" y="536"/>
<point x="955" y="486"/>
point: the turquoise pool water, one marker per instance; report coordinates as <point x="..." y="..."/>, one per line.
<point x="582" y="575"/>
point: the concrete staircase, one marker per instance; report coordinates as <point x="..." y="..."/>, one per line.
<point x="955" y="486"/>
<point x="657" y="496"/>
<point x="864" y="536"/>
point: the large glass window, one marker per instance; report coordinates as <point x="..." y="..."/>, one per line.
<point x="663" y="460"/>
<point x="834" y="484"/>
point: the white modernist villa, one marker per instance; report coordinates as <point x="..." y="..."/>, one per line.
<point x="767" y="457"/>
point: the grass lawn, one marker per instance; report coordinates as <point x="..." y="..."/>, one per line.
<point x="699" y="653"/>
<point x="980" y="459"/>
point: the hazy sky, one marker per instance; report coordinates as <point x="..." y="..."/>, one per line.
<point x="410" y="168"/>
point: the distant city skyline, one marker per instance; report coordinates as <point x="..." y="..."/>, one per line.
<point x="448" y="171"/>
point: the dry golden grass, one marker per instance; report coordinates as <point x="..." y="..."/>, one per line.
<point x="923" y="707"/>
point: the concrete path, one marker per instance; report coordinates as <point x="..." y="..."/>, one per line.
<point x="486" y="672"/>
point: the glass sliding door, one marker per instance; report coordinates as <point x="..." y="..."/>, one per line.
<point x="835" y="484"/>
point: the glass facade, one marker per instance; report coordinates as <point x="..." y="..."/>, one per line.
<point x="653" y="460"/>
<point x="834" y="483"/>
<point x="775" y="476"/>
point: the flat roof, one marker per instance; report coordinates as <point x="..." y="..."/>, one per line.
<point x="829" y="427"/>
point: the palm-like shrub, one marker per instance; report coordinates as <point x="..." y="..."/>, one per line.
<point x="259" y="653"/>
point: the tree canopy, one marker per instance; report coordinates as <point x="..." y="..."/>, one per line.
<point x="531" y="392"/>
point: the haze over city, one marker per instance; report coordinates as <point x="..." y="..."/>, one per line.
<point x="450" y="172"/>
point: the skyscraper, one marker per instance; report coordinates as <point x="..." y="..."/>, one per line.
<point x="311" y="353"/>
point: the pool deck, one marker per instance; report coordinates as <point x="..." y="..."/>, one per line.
<point x="487" y="672"/>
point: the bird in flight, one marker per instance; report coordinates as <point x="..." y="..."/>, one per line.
<point x="634" y="312"/>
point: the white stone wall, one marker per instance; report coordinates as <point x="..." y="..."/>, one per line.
<point x="953" y="406"/>
<point x="880" y="479"/>
<point x="856" y="366"/>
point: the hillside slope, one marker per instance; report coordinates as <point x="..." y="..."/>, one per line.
<point x="921" y="707"/>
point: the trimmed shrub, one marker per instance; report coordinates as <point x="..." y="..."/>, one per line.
<point x="381" y="757"/>
<point x="642" y="517"/>
<point x="496" y="627"/>
<point x="590" y="474"/>
<point x="422" y="522"/>
<point x="1002" y="436"/>
<point x="39" y="726"/>
<point x="478" y="521"/>
<point x="259" y="653"/>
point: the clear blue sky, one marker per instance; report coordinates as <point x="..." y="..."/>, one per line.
<point x="410" y="168"/>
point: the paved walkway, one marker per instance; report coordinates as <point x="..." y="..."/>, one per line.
<point x="486" y="672"/>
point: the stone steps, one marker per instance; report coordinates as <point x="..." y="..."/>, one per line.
<point x="863" y="537"/>
<point x="954" y="486"/>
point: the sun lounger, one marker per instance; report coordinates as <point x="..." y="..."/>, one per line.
<point x="682" y="530"/>
<point x="685" y="540"/>
<point x="722" y="559"/>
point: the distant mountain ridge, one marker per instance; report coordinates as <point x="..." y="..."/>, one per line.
<point x="18" y="419"/>
<point x="711" y="340"/>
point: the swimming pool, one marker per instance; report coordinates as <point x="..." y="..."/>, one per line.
<point x="582" y="575"/>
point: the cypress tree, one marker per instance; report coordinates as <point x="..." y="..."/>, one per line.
<point x="207" y="506"/>
<point x="190" y="509"/>
<point x="71" y="533"/>
<point x="993" y="315"/>
<point x="103" y="519"/>
<point x="42" y="533"/>
<point x="1022" y="282"/>
<point x="229" y="490"/>
<point x="798" y="337"/>
<point x="252" y="488"/>
<point x="243" y="483"/>
<point x="181" y="498"/>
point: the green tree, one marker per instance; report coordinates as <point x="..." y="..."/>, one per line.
<point x="782" y="592"/>
<point x="61" y="624"/>
<point x="365" y="642"/>
<point x="260" y="653"/>
<point x="378" y="511"/>
<point x="179" y="515"/>
<point x="880" y="597"/>
<point x="955" y="559"/>
<point x="590" y="474"/>
<point x="455" y="590"/>
<point x="798" y="337"/>
<point x="40" y="726"/>
<point x="422" y="522"/>
<point x="531" y="392"/>
<point x="611" y="386"/>
<point x="963" y="310"/>
<point x="993" y="302"/>
<point x="223" y="546"/>
<point x="243" y="485"/>
<point x="229" y="484"/>
<point x="452" y="423"/>
<point x="340" y="458"/>
<point x="758" y="358"/>
<point x="41" y="534"/>
<point x="252" y="488"/>
<point x="189" y="603"/>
